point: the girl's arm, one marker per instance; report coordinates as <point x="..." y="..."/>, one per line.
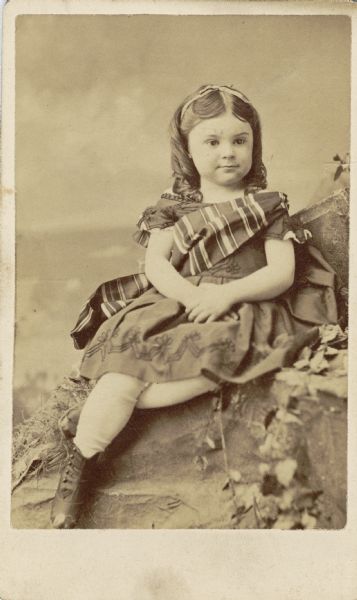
<point x="266" y="283"/>
<point x="160" y="271"/>
<point x="270" y="281"/>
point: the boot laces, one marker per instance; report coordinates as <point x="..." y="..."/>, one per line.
<point x="71" y="474"/>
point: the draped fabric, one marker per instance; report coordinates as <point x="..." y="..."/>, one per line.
<point x="209" y="234"/>
<point x="203" y="236"/>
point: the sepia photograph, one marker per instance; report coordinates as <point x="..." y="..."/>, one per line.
<point x="177" y="300"/>
<point x="182" y="204"/>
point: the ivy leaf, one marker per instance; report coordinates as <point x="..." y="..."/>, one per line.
<point x="306" y="500"/>
<point x="285" y="417"/>
<point x="294" y="379"/>
<point x="285" y="522"/>
<point x="247" y="496"/>
<point x="301" y="364"/>
<point x="330" y="332"/>
<point x="335" y="386"/>
<point x="308" y="521"/>
<point x="285" y="471"/>
<point x="305" y="353"/>
<point x="331" y="351"/>
<point x="268" y="508"/>
<point x="318" y="363"/>
<point x="286" y="500"/>
<point x="235" y="475"/>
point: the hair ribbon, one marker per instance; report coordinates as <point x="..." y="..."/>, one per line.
<point x="217" y="88"/>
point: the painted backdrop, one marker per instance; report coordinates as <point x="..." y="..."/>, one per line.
<point x="94" y="97"/>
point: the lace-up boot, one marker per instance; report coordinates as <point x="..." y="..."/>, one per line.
<point x="68" y="499"/>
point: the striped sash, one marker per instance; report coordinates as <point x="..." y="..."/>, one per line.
<point x="202" y="238"/>
<point x="212" y="232"/>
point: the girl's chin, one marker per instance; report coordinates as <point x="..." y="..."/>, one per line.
<point x="232" y="182"/>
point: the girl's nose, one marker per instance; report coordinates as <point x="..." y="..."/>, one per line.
<point x="227" y="150"/>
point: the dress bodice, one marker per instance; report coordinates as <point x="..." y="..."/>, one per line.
<point x="244" y="261"/>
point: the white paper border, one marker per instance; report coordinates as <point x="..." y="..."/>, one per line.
<point x="209" y="564"/>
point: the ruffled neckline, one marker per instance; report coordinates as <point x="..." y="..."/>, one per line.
<point x="241" y="198"/>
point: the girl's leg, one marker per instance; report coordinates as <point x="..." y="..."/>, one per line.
<point x="153" y="395"/>
<point x="106" y="411"/>
<point x="158" y="395"/>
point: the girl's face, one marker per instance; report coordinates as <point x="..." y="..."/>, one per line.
<point x="221" y="149"/>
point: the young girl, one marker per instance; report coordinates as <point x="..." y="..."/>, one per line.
<point x="224" y="297"/>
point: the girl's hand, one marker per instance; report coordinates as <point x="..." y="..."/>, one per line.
<point x="208" y="303"/>
<point x="232" y="315"/>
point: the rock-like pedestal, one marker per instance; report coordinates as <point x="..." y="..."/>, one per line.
<point x="285" y="446"/>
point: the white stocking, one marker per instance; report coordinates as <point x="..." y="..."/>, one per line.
<point x="158" y="395"/>
<point x="106" y="411"/>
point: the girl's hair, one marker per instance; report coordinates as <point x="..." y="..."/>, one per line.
<point x="206" y="103"/>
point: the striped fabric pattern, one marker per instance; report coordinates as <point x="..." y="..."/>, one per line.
<point x="203" y="234"/>
<point x="107" y="300"/>
<point x="212" y="232"/>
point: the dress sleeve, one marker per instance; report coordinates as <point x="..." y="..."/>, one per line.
<point x="279" y="228"/>
<point x="284" y="228"/>
<point x="161" y="216"/>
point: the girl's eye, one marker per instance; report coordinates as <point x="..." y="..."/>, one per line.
<point x="212" y="142"/>
<point x="240" y="141"/>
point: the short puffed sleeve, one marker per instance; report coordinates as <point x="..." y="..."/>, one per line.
<point x="283" y="226"/>
<point x="161" y="216"/>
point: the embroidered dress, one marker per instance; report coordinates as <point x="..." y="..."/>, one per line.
<point x="128" y="327"/>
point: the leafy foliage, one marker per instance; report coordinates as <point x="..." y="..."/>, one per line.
<point x="282" y="498"/>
